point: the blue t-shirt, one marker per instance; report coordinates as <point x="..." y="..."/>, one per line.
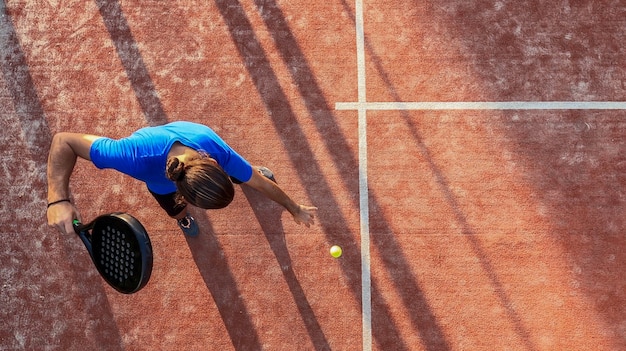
<point x="143" y="155"/>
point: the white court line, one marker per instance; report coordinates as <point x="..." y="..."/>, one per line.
<point x="495" y="105"/>
<point x="366" y="278"/>
<point x="362" y="106"/>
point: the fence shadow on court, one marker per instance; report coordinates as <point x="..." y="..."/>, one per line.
<point x="574" y="160"/>
<point x="132" y="61"/>
<point x="209" y="258"/>
<point x="581" y="178"/>
<point x="268" y="214"/>
<point x="459" y="216"/>
<point x="385" y="332"/>
<point x="36" y="137"/>
<point x="205" y="249"/>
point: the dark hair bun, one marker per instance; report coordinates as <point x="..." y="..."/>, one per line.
<point x="175" y="170"/>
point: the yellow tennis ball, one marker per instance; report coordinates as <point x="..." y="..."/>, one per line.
<point x="335" y="251"/>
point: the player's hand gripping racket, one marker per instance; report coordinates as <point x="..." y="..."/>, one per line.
<point x="120" y="249"/>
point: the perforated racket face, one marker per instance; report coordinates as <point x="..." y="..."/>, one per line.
<point x="117" y="254"/>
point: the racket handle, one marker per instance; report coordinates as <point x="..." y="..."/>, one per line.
<point x="77" y="226"/>
<point x="84" y="235"/>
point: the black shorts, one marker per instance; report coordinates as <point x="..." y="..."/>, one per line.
<point x="168" y="203"/>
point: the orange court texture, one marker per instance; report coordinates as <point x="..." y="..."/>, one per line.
<point x="487" y="229"/>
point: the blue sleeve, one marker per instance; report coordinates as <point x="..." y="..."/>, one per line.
<point x="236" y="166"/>
<point x="109" y="153"/>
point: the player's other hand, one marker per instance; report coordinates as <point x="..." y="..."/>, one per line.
<point x="61" y="216"/>
<point x="305" y="215"/>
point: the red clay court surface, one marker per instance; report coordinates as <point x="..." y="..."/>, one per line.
<point x="494" y="226"/>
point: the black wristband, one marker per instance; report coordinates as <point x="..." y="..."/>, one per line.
<point x="58" y="201"/>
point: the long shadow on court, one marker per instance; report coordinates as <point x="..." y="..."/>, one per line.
<point x="23" y="93"/>
<point x="574" y="159"/>
<point x="36" y="137"/>
<point x="459" y="216"/>
<point x="205" y="249"/>
<point x="209" y="258"/>
<point x="385" y="331"/>
<point x="133" y="63"/>
<point x="268" y="215"/>
<point x="579" y="173"/>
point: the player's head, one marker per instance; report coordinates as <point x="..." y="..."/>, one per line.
<point x="201" y="182"/>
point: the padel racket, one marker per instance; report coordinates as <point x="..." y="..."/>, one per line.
<point x="120" y="248"/>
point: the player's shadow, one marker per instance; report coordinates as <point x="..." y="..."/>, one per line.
<point x="269" y="214"/>
<point x="219" y="279"/>
<point x="209" y="258"/>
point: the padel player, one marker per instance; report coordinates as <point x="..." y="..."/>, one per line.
<point x="180" y="162"/>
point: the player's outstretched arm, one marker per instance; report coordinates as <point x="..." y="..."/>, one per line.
<point x="301" y="214"/>
<point x="64" y="150"/>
